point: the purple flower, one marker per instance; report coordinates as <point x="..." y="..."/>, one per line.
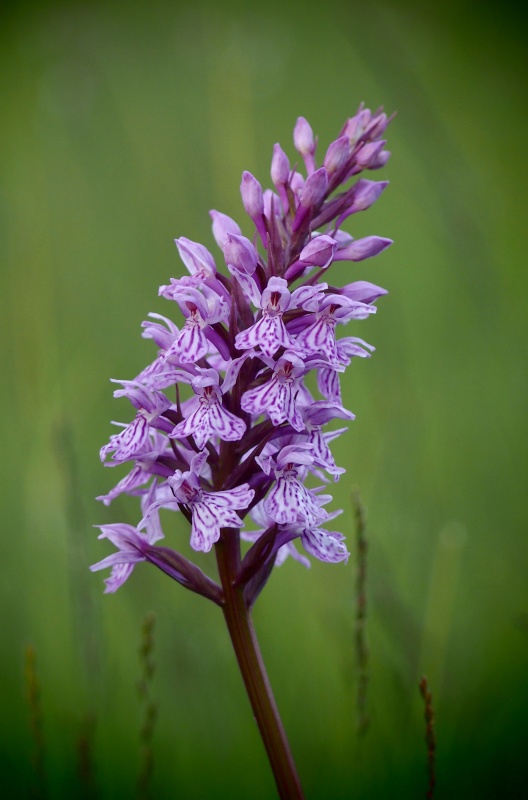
<point x="210" y="510"/>
<point x="289" y="500"/>
<point x="240" y="254"/>
<point x="210" y="418"/>
<point x="130" y="544"/>
<point x="197" y="259"/>
<point x="145" y="466"/>
<point x="135" y="436"/>
<point x="252" y="372"/>
<point x="269" y="332"/>
<point x="321" y="544"/>
<point x="131" y="547"/>
<point x="277" y="397"/>
<point x="201" y="309"/>
<point x="315" y="417"/>
<point x="324" y="545"/>
<point x="319" y="335"/>
<point x="163" y="336"/>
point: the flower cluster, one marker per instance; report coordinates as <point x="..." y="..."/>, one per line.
<point x="251" y="431"/>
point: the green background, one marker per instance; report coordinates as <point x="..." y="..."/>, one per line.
<point x="122" y="125"/>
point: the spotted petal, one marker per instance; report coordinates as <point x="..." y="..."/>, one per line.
<point x="208" y="420"/>
<point x="324" y="545"/>
<point x="290" y="501"/>
<point x="215" y="511"/>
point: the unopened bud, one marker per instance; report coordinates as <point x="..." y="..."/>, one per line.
<point x="280" y="166"/>
<point x="195" y="256"/>
<point x="303" y="137"/>
<point x="366" y="193"/>
<point x="240" y="253"/>
<point x="355" y="126"/>
<point x="319" y="251"/>
<point x="314" y="188"/>
<point x="377" y="126"/>
<point x="360" y="249"/>
<point x="222" y="227"/>
<point x="251" y="192"/>
<point x="337" y="155"/>
<point x="363" y="291"/>
<point x="369" y="152"/>
<point x="380" y="160"/>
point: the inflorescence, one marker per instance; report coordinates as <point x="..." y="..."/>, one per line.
<point x="252" y="431"/>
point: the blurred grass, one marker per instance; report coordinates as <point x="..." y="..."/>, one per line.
<point x="121" y="127"/>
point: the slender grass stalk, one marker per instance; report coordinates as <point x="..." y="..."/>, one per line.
<point x="361" y="646"/>
<point x="85" y="760"/>
<point x="150" y="708"/>
<point x="430" y="735"/>
<point x="39" y="786"/>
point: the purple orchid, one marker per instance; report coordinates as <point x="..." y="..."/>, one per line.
<point x="277" y="397"/>
<point x="289" y="500"/>
<point x="131" y="546"/>
<point x="133" y="439"/>
<point x="210" y="511"/>
<point x="202" y="309"/>
<point x="269" y="332"/>
<point x="252" y="414"/>
<point x="252" y="432"/>
<point x="246" y="345"/>
<point x="210" y="418"/>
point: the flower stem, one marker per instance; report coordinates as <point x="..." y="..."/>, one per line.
<point x="244" y="640"/>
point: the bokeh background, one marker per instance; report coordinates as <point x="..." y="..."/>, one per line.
<point x="122" y="125"/>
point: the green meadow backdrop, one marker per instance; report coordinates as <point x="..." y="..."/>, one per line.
<point x="122" y="124"/>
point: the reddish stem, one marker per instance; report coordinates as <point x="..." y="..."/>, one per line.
<point x="244" y="640"/>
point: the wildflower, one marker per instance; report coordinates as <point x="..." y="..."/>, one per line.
<point x="249" y="432"/>
<point x="210" y="418"/>
<point x="210" y="510"/>
<point x="252" y="431"/>
<point x="269" y="332"/>
<point x="131" y="547"/>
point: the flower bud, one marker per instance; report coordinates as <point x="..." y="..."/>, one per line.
<point x="305" y="143"/>
<point x="366" y="193"/>
<point x="319" y="251"/>
<point x="362" y="291"/>
<point x="297" y="183"/>
<point x="251" y="192"/>
<point x="314" y="188"/>
<point x="195" y="256"/>
<point x="240" y="253"/>
<point x="222" y="227"/>
<point x="270" y="198"/>
<point x="377" y="125"/>
<point x="280" y="166"/>
<point x="369" y="153"/>
<point x="337" y="155"/>
<point x="303" y="137"/>
<point x="311" y="195"/>
<point x="380" y="160"/>
<point x="355" y="126"/>
<point x="360" y="249"/>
